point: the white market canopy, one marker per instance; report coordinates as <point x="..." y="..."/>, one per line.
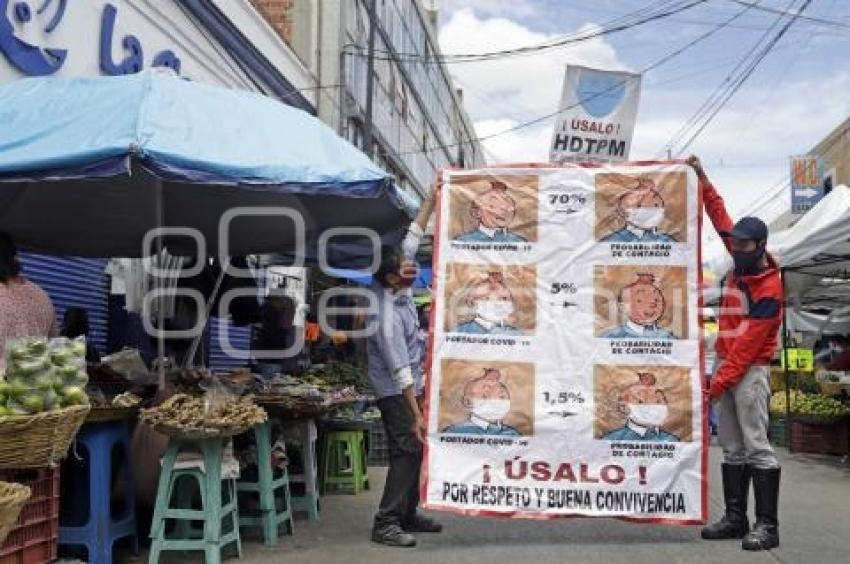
<point x="814" y="255"/>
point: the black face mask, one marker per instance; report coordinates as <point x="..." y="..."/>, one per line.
<point x="748" y="262"/>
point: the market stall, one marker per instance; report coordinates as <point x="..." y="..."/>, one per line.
<point x="102" y="164"/>
<point x="814" y="256"/>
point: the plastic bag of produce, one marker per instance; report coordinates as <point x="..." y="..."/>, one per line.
<point x="216" y="394"/>
<point x="16" y="387"/>
<point x="74" y="395"/>
<point x="66" y="352"/>
<point x="23" y="350"/>
<point x="129" y="363"/>
<point x="15" y="408"/>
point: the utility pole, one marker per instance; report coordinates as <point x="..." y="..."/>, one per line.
<point x="370" y="86"/>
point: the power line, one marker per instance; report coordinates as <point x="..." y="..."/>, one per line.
<point x="614" y="86"/>
<point x="812" y="19"/>
<point x="747" y="73"/>
<point x="626" y="23"/>
<point x="773" y="89"/>
<point x="718" y="91"/>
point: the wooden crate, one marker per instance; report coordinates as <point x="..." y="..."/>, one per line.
<point x="820" y="439"/>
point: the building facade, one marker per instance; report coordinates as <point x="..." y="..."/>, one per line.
<point x="835" y="151"/>
<point x="419" y="124"/>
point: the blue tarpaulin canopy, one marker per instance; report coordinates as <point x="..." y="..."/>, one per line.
<point x="89" y="165"/>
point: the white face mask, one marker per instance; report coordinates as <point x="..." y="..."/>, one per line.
<point x="491" y="410"/>
<point x="648" y="414"/>
<point x="645" y="218"/>
<point x="494" y="311"/>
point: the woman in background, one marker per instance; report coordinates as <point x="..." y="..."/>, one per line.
<point x="25" y="309"/>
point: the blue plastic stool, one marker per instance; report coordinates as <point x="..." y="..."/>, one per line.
<point x="99" y="534"/>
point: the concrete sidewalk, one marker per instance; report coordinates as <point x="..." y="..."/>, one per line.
<point x="815" y="529"/>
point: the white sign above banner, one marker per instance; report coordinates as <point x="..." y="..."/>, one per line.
<point x="598" y="117"/>
<point x="565" y="370"/>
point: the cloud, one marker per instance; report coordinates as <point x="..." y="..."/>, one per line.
<point x="517" y="8"/>
<point x="523" y="146"/>
<point x="507" y="91"/>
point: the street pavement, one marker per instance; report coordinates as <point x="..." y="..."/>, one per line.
<point x="814" y="528"/>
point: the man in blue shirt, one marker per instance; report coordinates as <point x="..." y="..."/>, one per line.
<point x="493" y="212"/>
<point x="489" y="402"/>
<point x="395" y="372"/>
<point x="646" y="411"/>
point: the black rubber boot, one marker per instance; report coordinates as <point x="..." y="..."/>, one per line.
<point x="765" y="534"/>
<point x="736" y="488"/>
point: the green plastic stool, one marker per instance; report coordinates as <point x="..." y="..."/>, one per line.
<point x="266" y="487"/>
<point x="213" y="510"/>
<point x="345" y="462"/>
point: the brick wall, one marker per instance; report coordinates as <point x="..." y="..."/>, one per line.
<point x="279" y="14"/>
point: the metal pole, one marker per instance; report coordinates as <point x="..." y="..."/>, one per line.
<point x="160" y="285"/>
<point x="370" y="85"/>
<point x="190" y="358"/>
<point x="785" y="362"/>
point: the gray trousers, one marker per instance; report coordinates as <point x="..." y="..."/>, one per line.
<point x="743" y="421"/>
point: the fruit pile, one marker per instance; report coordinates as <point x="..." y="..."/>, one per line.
<point x="818" y="405"/>
<point x="337" y="374"/>
<point x="43" y="375"/>
<point x="777" y="401"/>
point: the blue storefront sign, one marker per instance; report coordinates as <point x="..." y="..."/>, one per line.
<point x="32" y="60"/>
<point x="806" y="183"/>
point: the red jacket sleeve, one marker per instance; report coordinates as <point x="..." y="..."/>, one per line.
<point x="716" y="210"/>
<point x="763" y="321"/>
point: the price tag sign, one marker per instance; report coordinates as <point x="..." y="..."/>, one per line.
<point x="801" y="360"/>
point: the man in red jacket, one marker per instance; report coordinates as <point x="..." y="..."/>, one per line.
<point x="750" y="317"/>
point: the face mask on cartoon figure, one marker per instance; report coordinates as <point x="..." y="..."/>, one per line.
<point x="645" y="218"/>
<point x="494" y="311"/>
<point x="491" y="409"/>
<point x="649" y="414"/>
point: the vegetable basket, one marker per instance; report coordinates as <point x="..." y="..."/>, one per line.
<point x="13" y="497"/>
<point x="42" y="439"/>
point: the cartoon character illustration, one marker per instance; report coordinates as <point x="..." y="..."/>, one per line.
<point x="27" y="58"/>
<point x="492" y="304"/>
<point x="642" y="210"/>
<point x="489" y="402"/>
<point x="493" y="212"/>
<point x="643" y="304"/>
<point x="646" y="410"/>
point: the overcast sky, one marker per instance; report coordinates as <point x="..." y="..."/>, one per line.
<point x="797" y="96"/>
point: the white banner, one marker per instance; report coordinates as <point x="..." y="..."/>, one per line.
<point x="566" y="359"/>
<point x="598" y="117"/>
